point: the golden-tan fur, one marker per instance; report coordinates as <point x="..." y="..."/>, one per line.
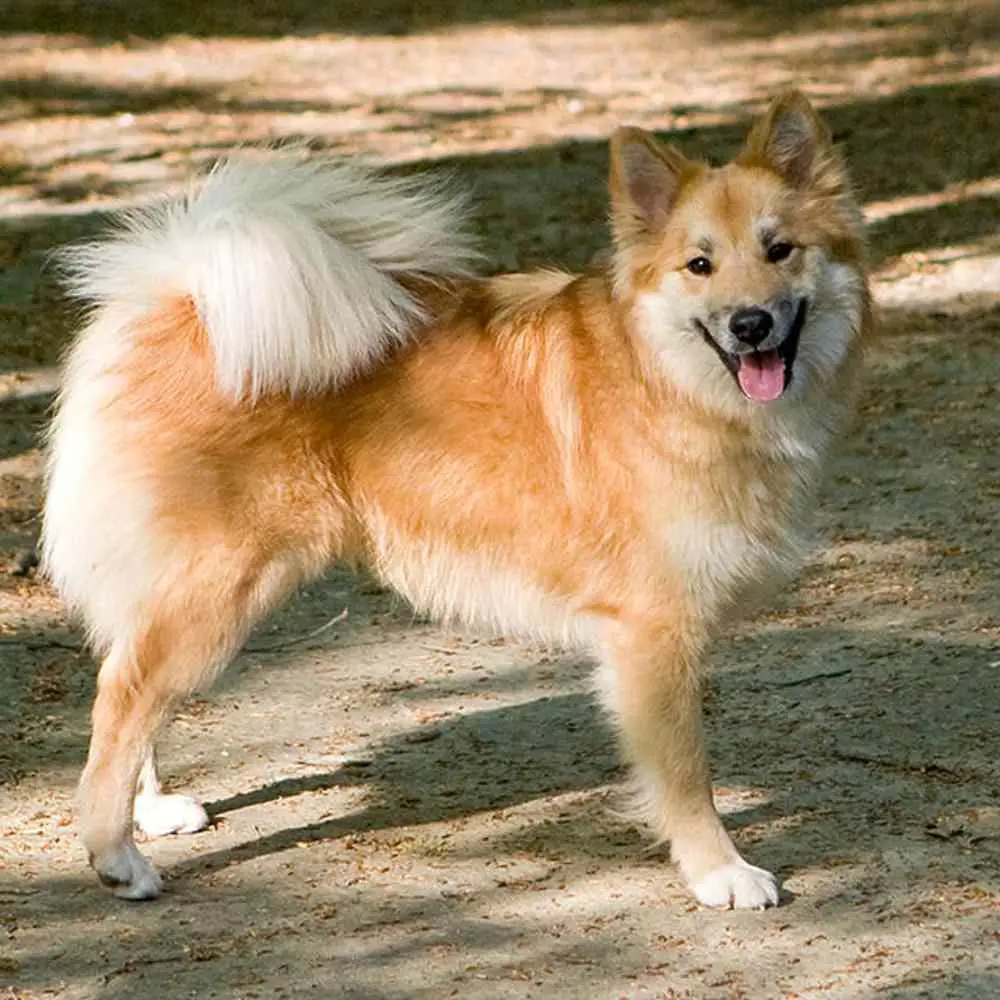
<point x="524" y="462"/>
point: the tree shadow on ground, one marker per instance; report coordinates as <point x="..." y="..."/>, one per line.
<point x="122" y="20"/>
<point x="945" y="121"/>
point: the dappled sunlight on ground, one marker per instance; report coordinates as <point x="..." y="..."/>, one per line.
<point x="109" y="122"/>
<point x="405" y="813"/>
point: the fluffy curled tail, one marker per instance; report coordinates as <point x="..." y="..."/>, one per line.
<point x="302" y="274"/>
<point x="294" y="266"/>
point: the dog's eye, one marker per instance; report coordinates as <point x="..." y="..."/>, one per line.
<point x="700" y="265"/>
<point x="778" y="252"/>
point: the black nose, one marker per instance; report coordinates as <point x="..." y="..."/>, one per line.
<point x="751" y="325"/>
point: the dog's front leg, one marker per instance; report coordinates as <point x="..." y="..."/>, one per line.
<point x="654" y="690"/>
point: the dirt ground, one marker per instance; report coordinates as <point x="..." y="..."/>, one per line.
<point x="402" y="812"/>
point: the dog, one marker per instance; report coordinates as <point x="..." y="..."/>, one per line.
<point x="296" y="363"/>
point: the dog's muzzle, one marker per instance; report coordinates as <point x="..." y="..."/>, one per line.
<point x="762" y="375"/>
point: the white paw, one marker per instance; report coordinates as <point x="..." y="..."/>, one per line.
<point x="737" y="885"/>
<point x="128" y="874"/>
<point x="161" y="815"/>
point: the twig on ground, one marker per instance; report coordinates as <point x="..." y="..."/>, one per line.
<point x="809" y="678"/>
<point x="285" y="643"/>
<point x="132" y="964"/>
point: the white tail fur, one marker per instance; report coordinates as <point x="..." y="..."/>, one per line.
<point x="292" y="264"/>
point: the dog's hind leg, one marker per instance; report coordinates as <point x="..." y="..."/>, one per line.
<point x="652" y="687"/>
<point x="189" y="634"/>
<point x="133" y="698"/>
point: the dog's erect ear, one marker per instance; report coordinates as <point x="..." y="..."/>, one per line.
<point x="644" y="182"/>
<point x="792" y="140"/>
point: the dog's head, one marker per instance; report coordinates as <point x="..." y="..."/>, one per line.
<point x="747" y="279"/>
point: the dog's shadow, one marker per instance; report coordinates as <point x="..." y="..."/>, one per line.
<point x="466" y="764"/>
<point x="512" y="755"/>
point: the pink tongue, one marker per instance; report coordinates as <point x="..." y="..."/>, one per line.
<point x="762" y="375"/>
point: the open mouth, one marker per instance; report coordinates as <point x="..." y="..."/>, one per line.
<point x="763" y="376"/>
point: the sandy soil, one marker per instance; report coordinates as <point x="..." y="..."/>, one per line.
<point x="407" y="813"/>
